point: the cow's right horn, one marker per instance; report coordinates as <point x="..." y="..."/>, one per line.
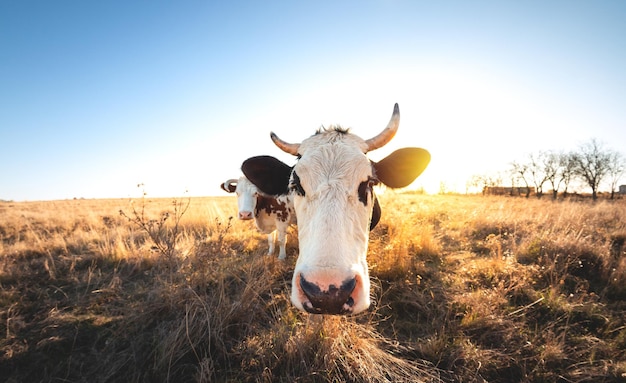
<point x="387" y="134"/>
<point x="285" y="146"/>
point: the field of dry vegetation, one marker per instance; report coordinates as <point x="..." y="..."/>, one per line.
<point x="465" y="289"/>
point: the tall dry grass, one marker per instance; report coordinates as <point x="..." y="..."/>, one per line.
<point x="465" y="289"/>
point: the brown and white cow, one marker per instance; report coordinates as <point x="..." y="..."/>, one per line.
<point x="332" y="187"/>
<point x="272" y="214"/>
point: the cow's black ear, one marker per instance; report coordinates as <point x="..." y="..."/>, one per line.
<point x="376" y="213"/>
<point x="402" y="167"/>
<point x="267" y="173"/>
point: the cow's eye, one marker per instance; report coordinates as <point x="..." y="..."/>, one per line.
<point x="295" y="186"/>
<point x="365" y="187"/>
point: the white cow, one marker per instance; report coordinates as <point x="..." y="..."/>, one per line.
<point x="332" y="186"/>
<point x="272" y="215"/>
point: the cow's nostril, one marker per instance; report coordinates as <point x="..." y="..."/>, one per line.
<point x="350" y="302"/>
<point x="332" y="301"/>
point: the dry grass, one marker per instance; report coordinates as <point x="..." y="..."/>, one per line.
<point x="466" y="289"/>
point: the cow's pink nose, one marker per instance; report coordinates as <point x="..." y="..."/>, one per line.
<point x="245" y="215"/>
<point x="335" y="300"/>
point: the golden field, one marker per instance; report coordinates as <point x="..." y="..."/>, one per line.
<point x="465" y="289"/>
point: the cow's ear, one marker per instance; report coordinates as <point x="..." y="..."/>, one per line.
<point x="268" y="174"/>
<point x="376" y="213"/>
<point x="402" y="167"/>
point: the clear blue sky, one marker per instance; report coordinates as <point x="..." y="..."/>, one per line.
<point x="98" y="96"/>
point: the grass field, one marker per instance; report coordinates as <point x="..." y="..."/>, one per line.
<point x="465" y="289"/>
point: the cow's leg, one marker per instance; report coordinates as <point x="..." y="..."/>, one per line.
<point x="271" y="240"/>
<point x="282" y="243"/>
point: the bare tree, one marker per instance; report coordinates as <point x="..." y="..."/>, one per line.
<point x="567" y="168"/>
<point x="558" y="168"/>
<point x="617" y="166"/>
<point x="552" y="169"/>
<point x="484" y="181"/>
<point x="474" y="182"/>
<point x="592" y="165"/>
<point x="520" y="171"/>
<point x="536" y="172"/>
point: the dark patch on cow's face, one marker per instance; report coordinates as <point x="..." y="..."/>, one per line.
<point x="295" y="185"/>
<point x="271" y="207"/>
<point x="365" y="187"/>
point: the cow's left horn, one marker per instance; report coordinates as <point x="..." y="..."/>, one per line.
<point x="285" y="146"/>
<point x="387" y="134"/>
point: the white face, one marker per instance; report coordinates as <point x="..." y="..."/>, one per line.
<point x="246" y="198"/>
<point x="332" y="189"/>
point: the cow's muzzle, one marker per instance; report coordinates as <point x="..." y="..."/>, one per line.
<point x="334" y="300"/>
<point x="245" y="215"/>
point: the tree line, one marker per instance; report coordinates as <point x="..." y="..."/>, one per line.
<point x="591" y="164"/>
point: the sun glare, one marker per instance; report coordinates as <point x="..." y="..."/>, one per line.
<point x="463" y="117"/>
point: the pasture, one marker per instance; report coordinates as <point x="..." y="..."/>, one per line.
<point x="464" y="289"/>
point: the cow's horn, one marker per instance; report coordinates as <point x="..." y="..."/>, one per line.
<point x="387" y="134"/>
<point x="230" y="185"/>
<point x="285" y="146"/>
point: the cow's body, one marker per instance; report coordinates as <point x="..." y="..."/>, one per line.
<point x="272" y="214"/>
<point x="332" y="188"/>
